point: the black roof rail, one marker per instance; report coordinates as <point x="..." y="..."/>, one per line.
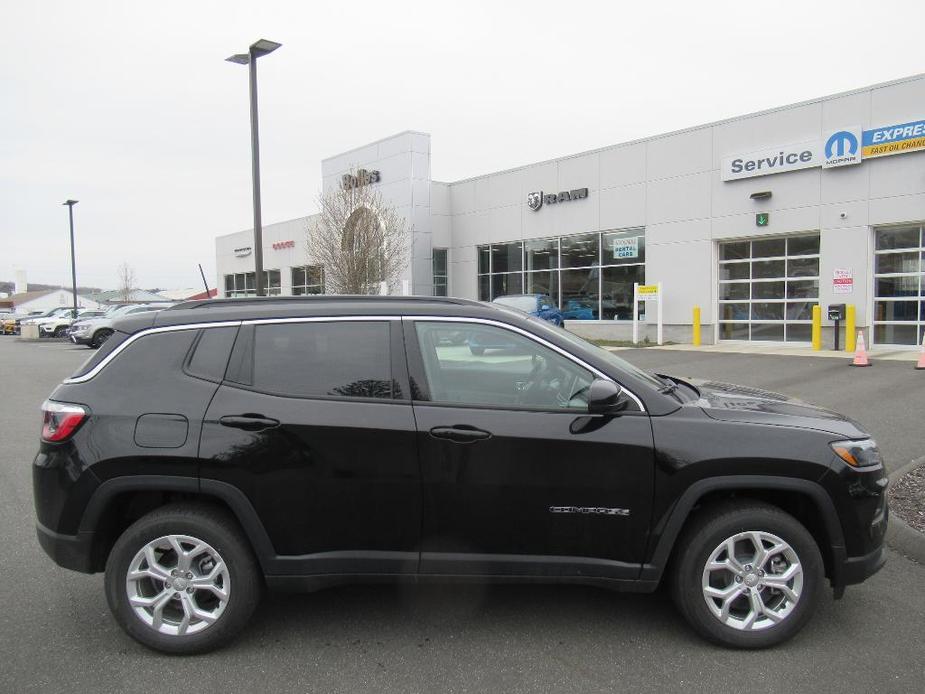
<point x="320" y="298"/>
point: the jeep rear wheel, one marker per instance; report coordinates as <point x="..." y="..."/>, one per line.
<point x="182" y="579"/>
<point x="748" y="575"/>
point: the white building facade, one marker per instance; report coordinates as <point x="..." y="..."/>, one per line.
<point x="753" y="219"/>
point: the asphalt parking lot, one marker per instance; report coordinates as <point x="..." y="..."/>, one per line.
<point x="56" y="634"/>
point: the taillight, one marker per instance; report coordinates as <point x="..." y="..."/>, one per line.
<point x="61" y="420"/>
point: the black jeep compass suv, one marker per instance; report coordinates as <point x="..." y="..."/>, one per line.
<point x="219" y="447"/>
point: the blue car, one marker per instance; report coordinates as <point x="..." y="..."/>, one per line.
<point x="539" y="305"/>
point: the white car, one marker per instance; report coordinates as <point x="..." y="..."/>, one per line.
<point x="95" y="331"/>
<point x="57" y="326"/>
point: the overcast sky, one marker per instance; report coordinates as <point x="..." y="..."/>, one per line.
<point x="130" y="108"/>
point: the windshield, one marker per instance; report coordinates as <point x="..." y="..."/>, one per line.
<point x="609" y="356"/>
<point x="527" y="304"/>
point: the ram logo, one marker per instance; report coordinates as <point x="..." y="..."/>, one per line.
<point x="535" y="200"/>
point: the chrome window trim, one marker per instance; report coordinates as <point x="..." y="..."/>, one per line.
<point x="499" y="324"/>
<point x="140" y="334"/>
<point x="351" y="318"/>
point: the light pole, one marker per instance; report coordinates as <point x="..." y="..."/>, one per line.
<point x="70" y="213"/>
<point x="257" y="49"/>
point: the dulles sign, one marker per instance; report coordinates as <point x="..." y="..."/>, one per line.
<point x="536" y="199"/>
<point x="361" y="178"/>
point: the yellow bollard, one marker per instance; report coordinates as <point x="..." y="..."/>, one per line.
<point x="851" y="332"/>
<point x="817" y="327"/>
<point x="696" y="326"/>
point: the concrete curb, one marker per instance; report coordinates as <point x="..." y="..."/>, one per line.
<point x="43" y="340"/>
<point x="900" y="535"/>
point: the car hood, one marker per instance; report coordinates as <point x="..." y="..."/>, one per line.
<point x="733" y="403"/>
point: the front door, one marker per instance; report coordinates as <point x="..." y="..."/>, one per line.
<point x="313" y="425"/>
<point x="517" y="478"/>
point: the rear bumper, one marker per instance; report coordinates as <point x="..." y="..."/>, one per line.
<point x="68" y="551"/>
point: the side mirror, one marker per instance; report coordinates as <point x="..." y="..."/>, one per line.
<point x="545" y="307"/>
<point x="605" y="397"/>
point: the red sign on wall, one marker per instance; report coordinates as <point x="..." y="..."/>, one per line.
<point x="279" y="245"/>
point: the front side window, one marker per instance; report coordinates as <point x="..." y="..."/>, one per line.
<point x="318" y="359"/>
<point x="482" y="365"/>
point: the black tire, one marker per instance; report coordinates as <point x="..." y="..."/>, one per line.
<point x="707" y="531"/>
<point x="99" y="337"/>
<point x="216" y="528"/>
<point x="60" y="331"/>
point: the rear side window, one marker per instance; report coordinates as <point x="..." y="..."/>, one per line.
<point x="116" y="339"/>
<point x="210" y="354"/>
<point x="316" y="359"/>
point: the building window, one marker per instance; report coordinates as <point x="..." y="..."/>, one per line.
<point x="440" y="272"/>
<point x="244" y="284"/>
<point x="899" y="285"/>
<point x="589" y="276"/>
<point x="768" y="287"/>
<point x="308" y="279"/>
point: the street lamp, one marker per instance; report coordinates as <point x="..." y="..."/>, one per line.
<point x="70" y="213"/>
<point x="260" y="48"/>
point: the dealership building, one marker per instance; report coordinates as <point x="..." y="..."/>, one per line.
<point x="754" y="220"/>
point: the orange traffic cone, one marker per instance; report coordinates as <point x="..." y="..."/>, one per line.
<point x="860" y="355"/>
<point x="921" y="364"/>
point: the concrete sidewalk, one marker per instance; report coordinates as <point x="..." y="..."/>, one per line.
<point x="772" y="349"/>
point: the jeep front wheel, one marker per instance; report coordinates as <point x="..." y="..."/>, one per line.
<point x="748" y="575"/>
<point x="182" y="579"/>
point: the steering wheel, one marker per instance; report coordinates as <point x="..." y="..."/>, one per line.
<point x="547" y="384"/>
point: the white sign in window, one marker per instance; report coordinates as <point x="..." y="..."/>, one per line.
<point x="626" y="248"/>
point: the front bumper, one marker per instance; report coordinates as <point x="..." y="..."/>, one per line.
<point x="859" y="569"/>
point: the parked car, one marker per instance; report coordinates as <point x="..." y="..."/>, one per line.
<point x="218" y="447"/>
<point x="57" y="326"/>
<point x="93" y="332"/>
<point x="34" y="318"/>
<point x="6" y="316"/>
<point x="539" y="305"/>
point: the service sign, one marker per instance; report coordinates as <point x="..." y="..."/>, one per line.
<point x="803" y="155"/>
<point x="648" y="291"/>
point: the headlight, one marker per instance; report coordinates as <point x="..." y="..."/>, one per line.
<point x="858" y="453"/>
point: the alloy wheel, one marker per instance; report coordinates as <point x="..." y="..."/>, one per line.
<point x="752" y="581"/>
<point x="178" y="585"/>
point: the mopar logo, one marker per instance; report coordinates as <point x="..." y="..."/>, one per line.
<point x="841" y="143"/>
<point x="842" y="148"/>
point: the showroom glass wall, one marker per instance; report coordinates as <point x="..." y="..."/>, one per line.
<point x="899" y="285"/>
<point x="245" y="284"/>
<point x="768" y="287"/>
<point x="589" y="276"/>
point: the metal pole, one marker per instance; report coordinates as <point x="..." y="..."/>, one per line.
<point x="70" y="214"/>
<point x="255" y="174"/>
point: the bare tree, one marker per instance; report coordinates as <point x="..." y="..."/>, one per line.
<point x="126" y="282"/>
<point x="358" y="238"/>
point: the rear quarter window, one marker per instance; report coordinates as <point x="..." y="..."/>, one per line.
<point x="210" y="353"/>
<point x="98" y="355"/>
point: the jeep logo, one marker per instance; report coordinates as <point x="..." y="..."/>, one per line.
<point x="536" y="199"/>
<point x="362" y="178"/>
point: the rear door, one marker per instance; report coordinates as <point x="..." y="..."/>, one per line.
<point x="518" y="478"/>
<point x="313" y="423"/>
